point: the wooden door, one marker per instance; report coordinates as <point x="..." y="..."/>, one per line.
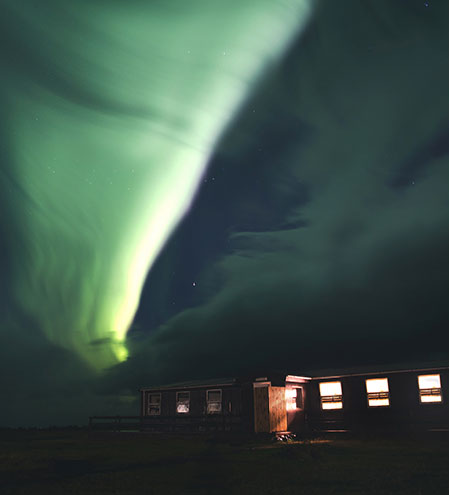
<point x="261" y="409"/>
<point x="277" y="408"/>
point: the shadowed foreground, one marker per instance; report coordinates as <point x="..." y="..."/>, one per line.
<point x="79" y="461"/>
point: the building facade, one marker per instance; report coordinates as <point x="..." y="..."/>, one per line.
<point x="393" y="399"/>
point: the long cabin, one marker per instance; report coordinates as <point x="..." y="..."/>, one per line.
<point x="412" y="398"/>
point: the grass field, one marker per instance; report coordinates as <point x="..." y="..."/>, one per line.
<point x="83" y="462"/>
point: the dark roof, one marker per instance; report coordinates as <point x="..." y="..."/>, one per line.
<point x="213" y="382"/>
<point x="279" y="376"/>
<point x="376" y="369"/>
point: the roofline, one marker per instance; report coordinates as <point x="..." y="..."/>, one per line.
<point x="381" y="372"/>
<point x="292" y="378"/>
<point x="295" y="378"/>
<point x="180" y="387"/>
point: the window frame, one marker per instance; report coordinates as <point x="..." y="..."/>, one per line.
<point x="149" y="404"/>
<point x="433" y="391"/>
<point x="214" y="402"/>
<point x="294" y="402"/>
<point x="300" y="399"/>
<point x="178" y="401"/>
<point x="378" y="395"/>
<point x="291" y="400"/>
<point x="331" y="399"/>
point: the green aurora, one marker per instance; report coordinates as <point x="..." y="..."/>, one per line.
<point x="276" y="171"/>
<point x="111" y="112"/>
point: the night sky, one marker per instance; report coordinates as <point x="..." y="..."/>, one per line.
<point x="207" y="188"/>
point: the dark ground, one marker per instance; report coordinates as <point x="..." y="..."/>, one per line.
<point x="83" y="462"/>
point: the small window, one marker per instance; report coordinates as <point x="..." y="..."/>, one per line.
<point x="331" y="395"/>
<point x="430" y="388"/>
<point x="214" y="401"/>
<point x="183" y="401"/>
<point x="154" y="404"/>
<point x="291" y="399"/>
<point x="294" y="399"/>
<point x="377" y="392"/>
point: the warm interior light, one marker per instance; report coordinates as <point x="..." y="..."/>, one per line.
<point x="183" y="399"/>
<point x="331" y="405"/>
<point x="331" y="395"/>
<point x="330" y="388"/>
<point x="429" y="381"/>
<point x="378" y="402"/>
<point x="431" y="398"/>
<point x="430" y="388"/>
<point x="374" y="385"/>
<point x="377" y="392"/>
<point x="291" y="399"/>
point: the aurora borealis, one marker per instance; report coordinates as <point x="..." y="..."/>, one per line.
<point x="257" y="180"/>
<point x="113" y="115"/>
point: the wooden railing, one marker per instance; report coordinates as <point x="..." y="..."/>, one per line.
<point x="117" y="423"/>
<point x="166" y="423"/>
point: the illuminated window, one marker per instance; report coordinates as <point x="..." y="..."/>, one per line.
<point x="154" y="404"/>
<point x="430" y="388"/>
<point x="377" y="392"/>
<point x="291" y="399"/>
<point x="183" y="400"/>
<point x="214" y="401"/>
<point x="331" y="395"/>
<point x="294" y="399"/>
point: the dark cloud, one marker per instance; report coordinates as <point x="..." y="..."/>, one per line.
<point x="345" y="261"/>
<point x="44" y="384"/>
